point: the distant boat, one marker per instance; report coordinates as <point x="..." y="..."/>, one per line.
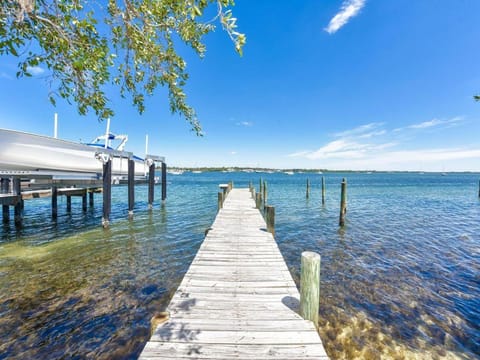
<point x="175" y="172"/>
<point x="196" y="172"/>
<point x="289" y="172"/>
<point x="319" y="172"/>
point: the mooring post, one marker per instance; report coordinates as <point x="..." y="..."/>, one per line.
<point x="308" y="188"/>
<point x="18" y="205"/>
<point x="69" y="203"/>
<point x="254" y="193"/>
<point x="164" y="181"/>
<point x="84" y="201"/>
<point x="6" y="208"/>
<point x="343" y="202"/>
<point x="151" y="185"/>
<point x="90" y="197"/>
<point x="107" y="192"/>
<point x="260" y="190"/>
<point x="323" y="190"/>
<point x="131" y="186"/>
<point x="258" y="200"/>
<point x="479" y="188"/>
<point x="265" y="194"/>
<point x="250" y="186"/>
<point x="270" y="215"/>
<point x="310" y="286"/>
<point x="220" y="200"/>
<point x="54" y="201"/>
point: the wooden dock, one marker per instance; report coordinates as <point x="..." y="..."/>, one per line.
<point x="238" y="299"/>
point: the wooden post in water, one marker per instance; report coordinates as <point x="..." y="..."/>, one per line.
<point x="84" y="201"/>
<point x="323" y="190"/>
<point x="69" y="203"/>
<point x="270" y="215"/>
<point x="265" y="193"/>
<point x="260" y="184"/>
<point x="310" y="286"/>
<point x="54" y="202"/>
<point x="6" y="208"/>
<point x="90" y="198"/>
<point x="151" y="185"/>
<point x="308" y="188"/>
<point x="164" y="182"/>
<point x="343" y="202"/>
<point x="258" y="200"/>
<point x="107" y="192"/>
<point x="18" y="205"/>
<point x="220" y="200"/>
<point x="131" y="186"/>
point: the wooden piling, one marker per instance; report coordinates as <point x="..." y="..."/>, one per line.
<point x="308" y="189"/>
<point x="260" y="184"/>
<point x="164" y="181"/>
<point x="220" y="200"/>
<point x="69" y="203"/>
<point x="18" y="205"/>
<point x="84" y="202"/>
<point x="343" y="202"/>
<point x="151" y="185"/>
<point x="6" y="208"/>
<point x="270" y="217"/>
<point x="310" y="286"/>
<point x="323" y="190"/>
<point x="265" y="194"/>
<point x="54" y="202"/>
<point x="107" y="193"/>
<point x="258" y="200"/>
<point x="131" y="186"/>
<point x="90" y="198"/>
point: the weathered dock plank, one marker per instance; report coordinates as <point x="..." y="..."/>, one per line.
<point x="238" y="299"/>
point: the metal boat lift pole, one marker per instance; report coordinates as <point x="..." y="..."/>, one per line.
<point x="164" y="181"/>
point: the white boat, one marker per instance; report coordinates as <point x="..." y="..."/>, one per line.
<point x="21" y="151"/>
<point x="288" y="172"/>
<point x="175" y="172"/>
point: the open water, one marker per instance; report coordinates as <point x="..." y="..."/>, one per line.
<point x="401" y="280"/>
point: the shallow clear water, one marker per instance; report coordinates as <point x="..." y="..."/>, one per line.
<point x="400" y="280"/>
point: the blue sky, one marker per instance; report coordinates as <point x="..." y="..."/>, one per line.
<point x="356" y="84"/>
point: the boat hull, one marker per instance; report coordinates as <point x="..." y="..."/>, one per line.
<point x="20" y="151"/>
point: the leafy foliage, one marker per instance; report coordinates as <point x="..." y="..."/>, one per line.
<point x="87" y="45"/>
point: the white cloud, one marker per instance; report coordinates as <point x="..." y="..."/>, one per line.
<point x="233" y="153"/>
<point x="245" y="123"/>
<point x="359" y="130"/>
<point x="343" y="149"/>
<point x="4" y="75"/>
<point x="35" y="70"/>
<point x="349" y="9"/>
<point x="436" y="122"/>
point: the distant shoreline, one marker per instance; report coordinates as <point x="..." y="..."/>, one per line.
<point x="309" y="171"/>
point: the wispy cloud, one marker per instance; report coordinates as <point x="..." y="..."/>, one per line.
<point x="343" y="149"/>
<point x="233" y="153"/>
<point x="4" y="75"/>
<point x="35" y="70"/>
<point x="245" y="123"/>
<point x="359" y="130"/>
<point x="349" y="9"/>
<point x="436" y="122"/>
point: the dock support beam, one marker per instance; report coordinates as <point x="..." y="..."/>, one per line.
<point x="54" y="202"/>
<point x="220" y="200"/>
<point x="131" y="186"/>
<point x="6" y="208"/>
<point x="310" y="286"/>
<point x="90" y="198"/>
<point x="164" y="181"/>
<point x="107" y="193"/>
<point x="151" y="185"/>
<point x="69" y="203"/>
<point x="84" y="201"/>
<point x="308" y="188"/>
<point x="18" y="205"/>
